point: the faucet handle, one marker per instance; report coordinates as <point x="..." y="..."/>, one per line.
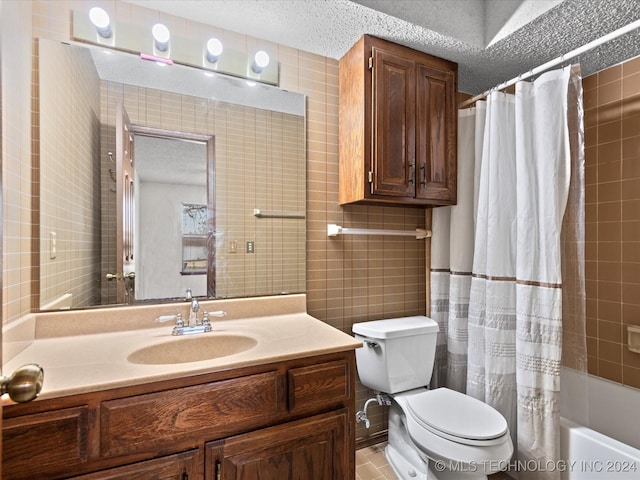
<point x="167" y="318"/>
<point x="206" y="323"/>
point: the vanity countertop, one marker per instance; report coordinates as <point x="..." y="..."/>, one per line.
<point x="85" y="362"/>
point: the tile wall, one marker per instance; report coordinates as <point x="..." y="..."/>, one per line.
<point x="17" y="175"/>
<point x="612" y="177"/>
<point x="69" y="133"/>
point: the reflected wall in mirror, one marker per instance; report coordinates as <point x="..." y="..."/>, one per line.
<point x="258" y="138"/>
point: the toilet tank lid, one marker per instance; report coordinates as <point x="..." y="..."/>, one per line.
<point x="396" y="327"/>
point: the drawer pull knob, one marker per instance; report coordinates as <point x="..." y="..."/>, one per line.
<point x="25" y="383"/>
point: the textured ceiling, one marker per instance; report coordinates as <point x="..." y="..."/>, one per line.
<point x="491" y="40"/>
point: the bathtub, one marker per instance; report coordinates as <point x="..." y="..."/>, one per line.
<point x="600" y="428"/>
<point x="590" y="455"/>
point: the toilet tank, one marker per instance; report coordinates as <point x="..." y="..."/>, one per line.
<point x="397" y="354"/>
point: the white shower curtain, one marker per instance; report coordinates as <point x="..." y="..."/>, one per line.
<point x="500" y="307"/>
<point x="452" y="256"/>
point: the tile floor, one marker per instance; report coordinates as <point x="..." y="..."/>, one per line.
<point x="371" y="464"/>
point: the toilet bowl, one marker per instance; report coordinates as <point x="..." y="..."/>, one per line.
<point x="435" y="434"/>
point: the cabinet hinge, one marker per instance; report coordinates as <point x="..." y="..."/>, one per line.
<point x="218" y="470"/>
<point x="370" y="63"/>
<point x="370" y="177"/>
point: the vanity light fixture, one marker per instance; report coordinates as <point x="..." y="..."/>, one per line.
<point x="95" y="26"/>
<point x="161" y="36"/>
<point x="214" y="50"/>
<point x="260" y="61"/>
<point x="100" y="20"/>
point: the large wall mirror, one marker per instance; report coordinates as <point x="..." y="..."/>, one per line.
<point x="158" y="179"/>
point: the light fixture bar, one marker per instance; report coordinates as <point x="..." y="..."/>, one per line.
<point x="189" y="51"/>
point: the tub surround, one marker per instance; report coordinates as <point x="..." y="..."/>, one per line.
<point x="589" y="455"/>
<point x="605" y="406"/>
<point x="87" y="350"/>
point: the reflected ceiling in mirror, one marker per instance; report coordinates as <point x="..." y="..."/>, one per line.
<point x="258" y="162"/>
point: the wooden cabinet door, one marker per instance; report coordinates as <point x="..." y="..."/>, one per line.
<point x="45" y="445"/>
<point x="309" y="449"/>
<point x="436" y="127"/>
<point x="394" y="95"/>
<point x="182" y="466"/>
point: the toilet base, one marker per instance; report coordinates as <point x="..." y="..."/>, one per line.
<point x="406" y="470"/>
<point x="403" y="468"/>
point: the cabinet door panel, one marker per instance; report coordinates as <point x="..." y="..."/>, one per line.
<point x="310" y="449"/>
<point x="393" y="125"/>
<point x="436" y="122"/>
<point x="182" y="466"/>
<point x="44" y="444"/>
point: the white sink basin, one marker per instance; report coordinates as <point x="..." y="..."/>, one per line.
<point x="195" y="348"/>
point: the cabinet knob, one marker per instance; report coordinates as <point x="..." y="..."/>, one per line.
<point x="25" y="383"/>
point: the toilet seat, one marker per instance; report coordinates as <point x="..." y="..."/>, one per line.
<point x="457" y="417"/>
<point x="486" y="456"/>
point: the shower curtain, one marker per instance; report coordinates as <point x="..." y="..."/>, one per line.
<point x="496" y="280"/>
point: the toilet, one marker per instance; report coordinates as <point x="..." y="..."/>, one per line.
<point x="435" y="434"/>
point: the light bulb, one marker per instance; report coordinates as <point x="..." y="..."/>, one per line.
<point x="100" y="20"/>
<point x="161" y="36"/>
<point x="260" y="61"/>
<point x="214" y="49"/>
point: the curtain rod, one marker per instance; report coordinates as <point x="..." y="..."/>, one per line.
<point x="557" y="61"/>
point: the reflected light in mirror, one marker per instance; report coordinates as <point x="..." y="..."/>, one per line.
<point x="100" y="20"/>
<point x="214" y="50"/>
<point x="161" y="36"/>
<point x="260" y="61"/>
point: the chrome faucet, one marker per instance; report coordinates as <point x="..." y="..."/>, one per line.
<point x="193" y="313"/>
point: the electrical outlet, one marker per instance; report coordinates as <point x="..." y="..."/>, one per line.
<point x="233" y="246"/>
<point x="250" y="246"/>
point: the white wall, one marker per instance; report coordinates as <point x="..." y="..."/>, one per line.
<point x="160" y="261"/>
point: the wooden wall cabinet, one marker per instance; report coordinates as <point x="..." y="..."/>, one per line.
<point x="293" y="419"/>
<point x="397" y="126"/>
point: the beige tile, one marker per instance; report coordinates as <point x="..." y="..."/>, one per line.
<point x="631" y="85"/>
<point x="631" y="67"/>
<point x="631" y="376"/>
<point x="369" y="471"/>
<point x="609" y="75"/>
<point x="609" y="92"/>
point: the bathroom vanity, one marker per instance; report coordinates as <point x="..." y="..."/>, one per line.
<point x="282" y="412"/>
